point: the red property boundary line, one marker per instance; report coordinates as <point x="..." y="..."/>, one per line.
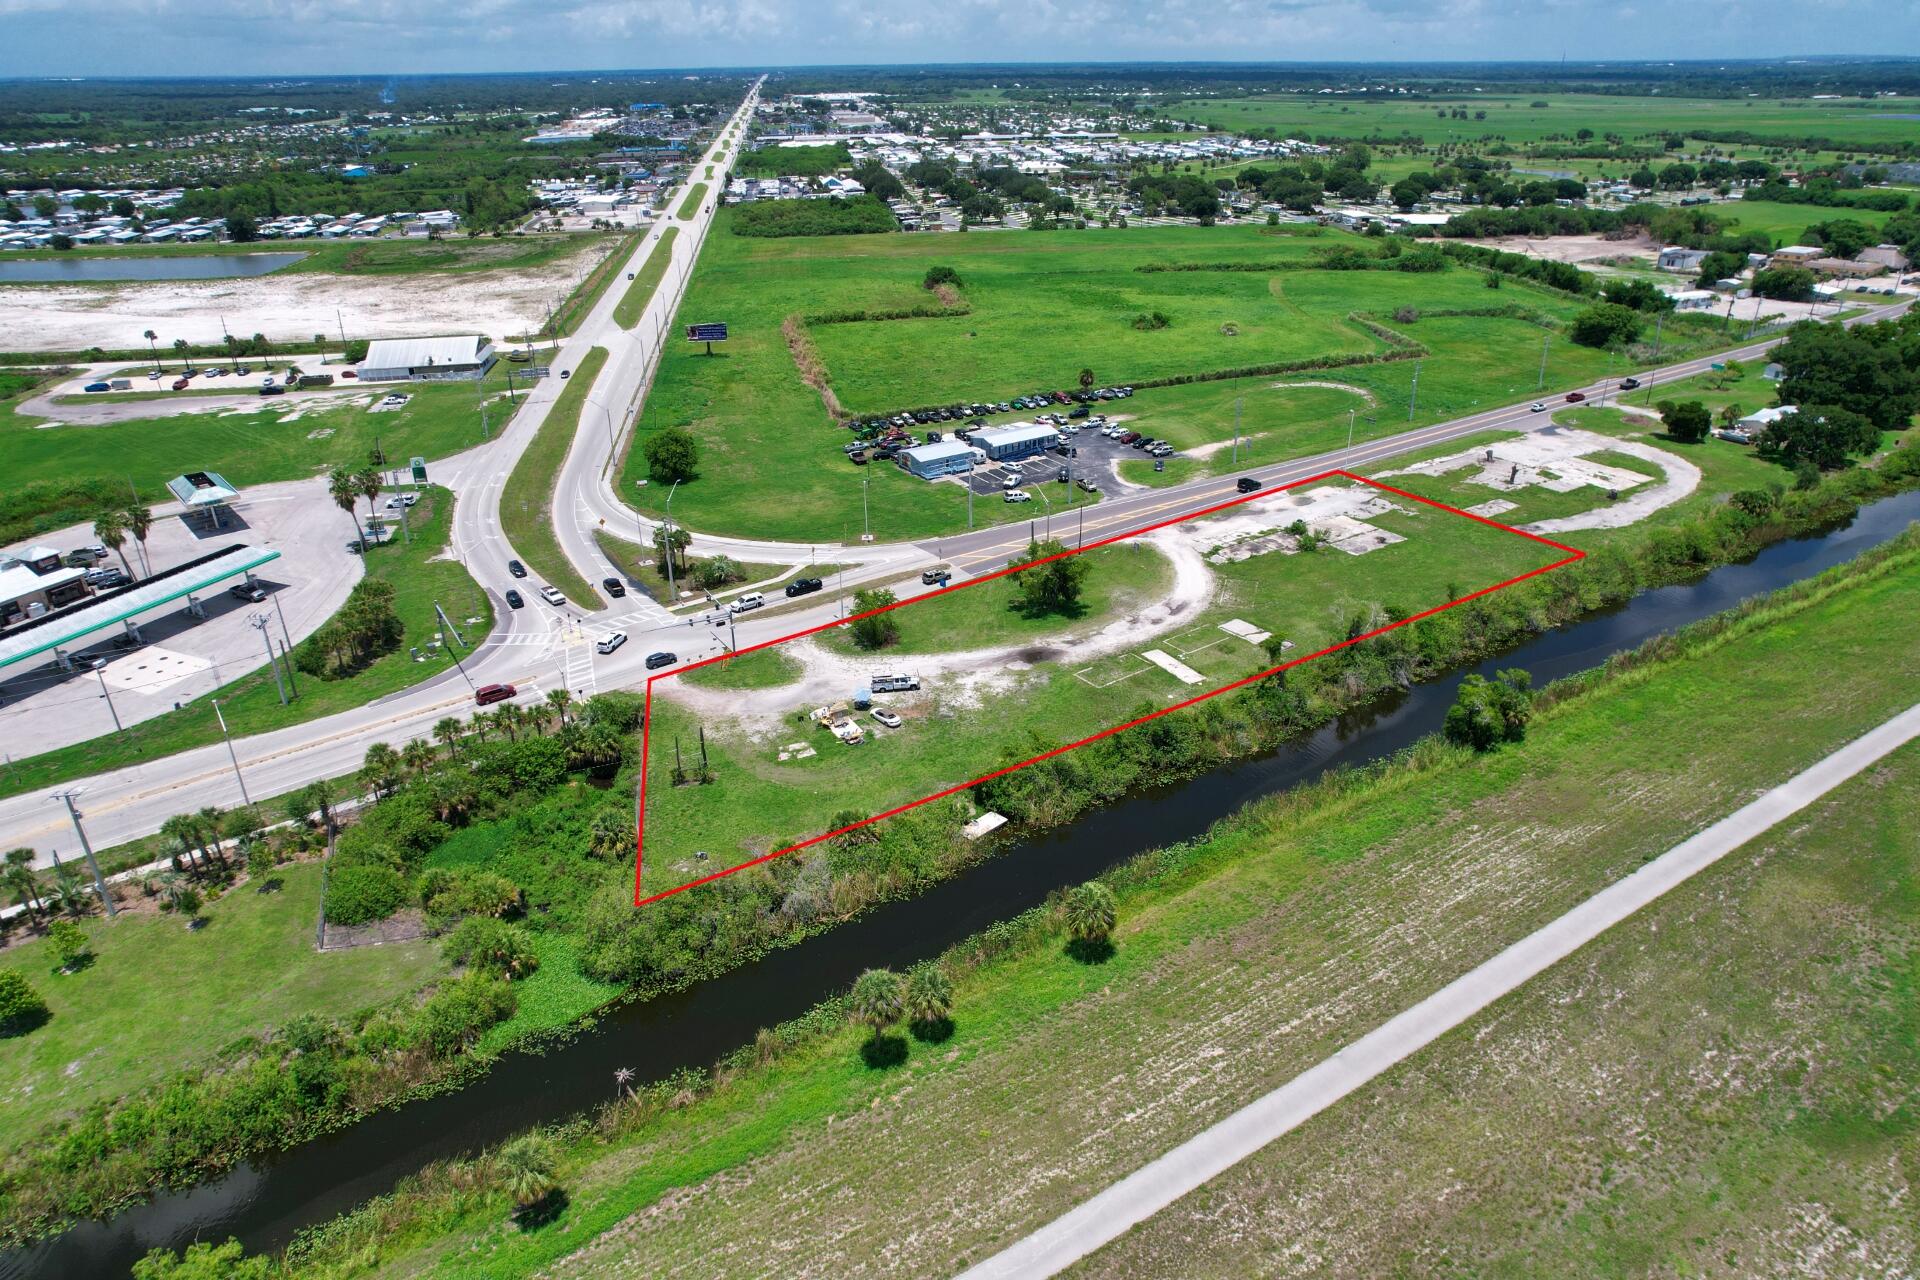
<point x="1572" y="554"/>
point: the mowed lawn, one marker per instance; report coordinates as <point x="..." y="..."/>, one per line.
<point x="959" y="726"/>
<point x="1033" y="310"/>
<point x="261" y="441"/>
<point x="158" y="998"/>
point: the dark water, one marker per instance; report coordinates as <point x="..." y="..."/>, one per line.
<point x="212" y="266"/>
<point x="265" y="1202"/>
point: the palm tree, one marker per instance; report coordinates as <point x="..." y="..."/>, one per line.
<point x="151" y="336"/>
<point x="345" y="491"/>
<point x="183" y="832"/>
<point x="368" y="482"/>
<point x="878" y="1000"/>
<point x="138" y="517"/>
<point x="527" y="1168"/>
<point x="180" y="349"/>
<point x="623" y="1080"/>
<point x="213" y="825"/>
<point x="68" y="897"/>
<point x="447" y="733"/>
<point x="1090" y="913"/>
<point x="560" y="700"/>
<point x="320" y="342"/>
<point x="610" y="834"/>
<point x="928" y="996"/>
<point x="380" y="770"/>
<point x="418" y="756"/>
<point x="22" y="880"/>
<point x="111" y="528"/>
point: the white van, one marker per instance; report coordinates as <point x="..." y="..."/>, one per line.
<point x="751" y="600"/>
<point x="611" y="641"/>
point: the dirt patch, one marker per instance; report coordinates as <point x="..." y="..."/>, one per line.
<point x="1573" y="248"/>
<point x="813" y="370"/>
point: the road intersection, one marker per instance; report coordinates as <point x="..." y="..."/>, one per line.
<point x="537" y="648"/>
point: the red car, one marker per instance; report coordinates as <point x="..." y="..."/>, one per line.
<point x="490" y="693"/>
<point x="181" y="384"/>
<point x="1575" y="397"/>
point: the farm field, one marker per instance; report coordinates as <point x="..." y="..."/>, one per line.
<point x="1030" y="683"/>
<point x="420" y="575"/>
<point x="1510" y="118"/>
<point x="1305" y="921"/>
<point x="1031" y="312"/>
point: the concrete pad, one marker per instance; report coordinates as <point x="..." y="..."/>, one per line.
<point x="1174" y="667"/>
<point x="1245" y="631"/>
<point x="1490" y="508"/>
<point x="152" y="669"/>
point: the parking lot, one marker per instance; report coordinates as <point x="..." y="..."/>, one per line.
<point x="1089" y="456"/>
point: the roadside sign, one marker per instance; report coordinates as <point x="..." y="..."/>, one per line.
<point x="419" y="470"/>
<point x="706" y="333"/>
<point x="536" y="371"/>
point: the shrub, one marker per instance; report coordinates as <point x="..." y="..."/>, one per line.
<point x="459" y="1011"/>
<point x="358" y="894"/>
<point x="672" y="455"/>
<point x="937" y="276"/>
<point x="1605" y="324"/>
<point x="1149" y="320"/>
<point x="450" y="895"/>
<point x="70" y="944"/>
<point x="21" y="1007"/>
<point x="1489" y="712"/>
<point x="492" y="947"/>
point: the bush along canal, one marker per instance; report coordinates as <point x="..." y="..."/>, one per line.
<point x="264" y="1202"/>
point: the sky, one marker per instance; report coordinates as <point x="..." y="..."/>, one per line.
<point x="317" y="37"/>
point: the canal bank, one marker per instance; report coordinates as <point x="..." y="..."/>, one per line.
<point x="265" y="1202"/>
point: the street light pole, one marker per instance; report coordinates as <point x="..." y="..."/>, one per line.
<point x="666" y="526"/>
<point x="231" y="754"/>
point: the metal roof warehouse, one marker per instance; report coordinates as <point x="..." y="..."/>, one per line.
<point x="58" y="631"/>
<point x="1002" y="443"/>
<point x="427" y="359"/>
<point x="941" y="458"/>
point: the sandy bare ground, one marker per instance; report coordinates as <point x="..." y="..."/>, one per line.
<point x="289" y="307"/>
<point x="962" y="679"/>
<point x="1572" y="248"/>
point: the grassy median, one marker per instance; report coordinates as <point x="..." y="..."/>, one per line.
<point x="526" y="504"/>
<point x="633" y="303"/>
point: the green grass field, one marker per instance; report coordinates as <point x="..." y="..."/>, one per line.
<point x="955" y="731"/>
<point x="1306" y="921"/>
<point x="120" y="1023"/>
<point x="633" y="303"/>
<point x="420" y="575"/>
<point x="259" y="442"/>
<point x="756" y="669"/>
<point x="526" y="502"/>
<point x="1511" y="120"/>
<point x="1040" y="308"/>
<point x="1787" y="223"/>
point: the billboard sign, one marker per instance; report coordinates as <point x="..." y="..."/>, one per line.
<point x="706" y="333"/>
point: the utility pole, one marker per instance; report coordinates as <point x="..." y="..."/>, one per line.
<point x="1237" y="401"/>
<point x="866" y="517"/>
<point x="93" y="864"/>
<point x="1350" y="414"/>
<point x="259" y="623"/>
<point x="286" y="656"/>
<point x="286" y="641"/>
<point x="666" y="527"/>
<point x="1413" y="396"/>
<point x="1659" y="319"/>
<point x="1546" y="339"/>
<point x="969" y="495"/>
<point x="231" y="754"/>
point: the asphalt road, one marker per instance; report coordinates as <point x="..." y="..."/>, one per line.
<point x="1192" y="1164"/>
<point x="539" y="648"/>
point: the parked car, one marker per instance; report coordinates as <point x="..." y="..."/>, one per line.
<point x="657" y="660"/>
<point x="1575" y="397"/>
<point x="1061" y="477"/>
<point x="247" y="591"/>
<point x="273" y="391"/>
<point x="894" y="684"/>
<point x="488" y="694"/>
<point x="885" y="717"/>
<point x="858" y="458"/>
<point x="1011" y="482"/>
<point x="552" y="595"/>
<point x="611" y="641"/>
<point x="517" y="569"/>
<point x="1018" y="495"/>
<point x="181" y="384"/>
<point x="515" y="600"/>
<point x="106" y="579"/>
<point x="1247" y="484"/>
<point x="614" y="587"/>
<point x="99" y="386"/>
<point x="803" y="586"/>
<point x="1087" y="486"/>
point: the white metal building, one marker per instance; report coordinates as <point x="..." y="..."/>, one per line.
<point x="427" y="359"/>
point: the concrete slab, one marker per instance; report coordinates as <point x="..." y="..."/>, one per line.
<point x="1173" y="666"/>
